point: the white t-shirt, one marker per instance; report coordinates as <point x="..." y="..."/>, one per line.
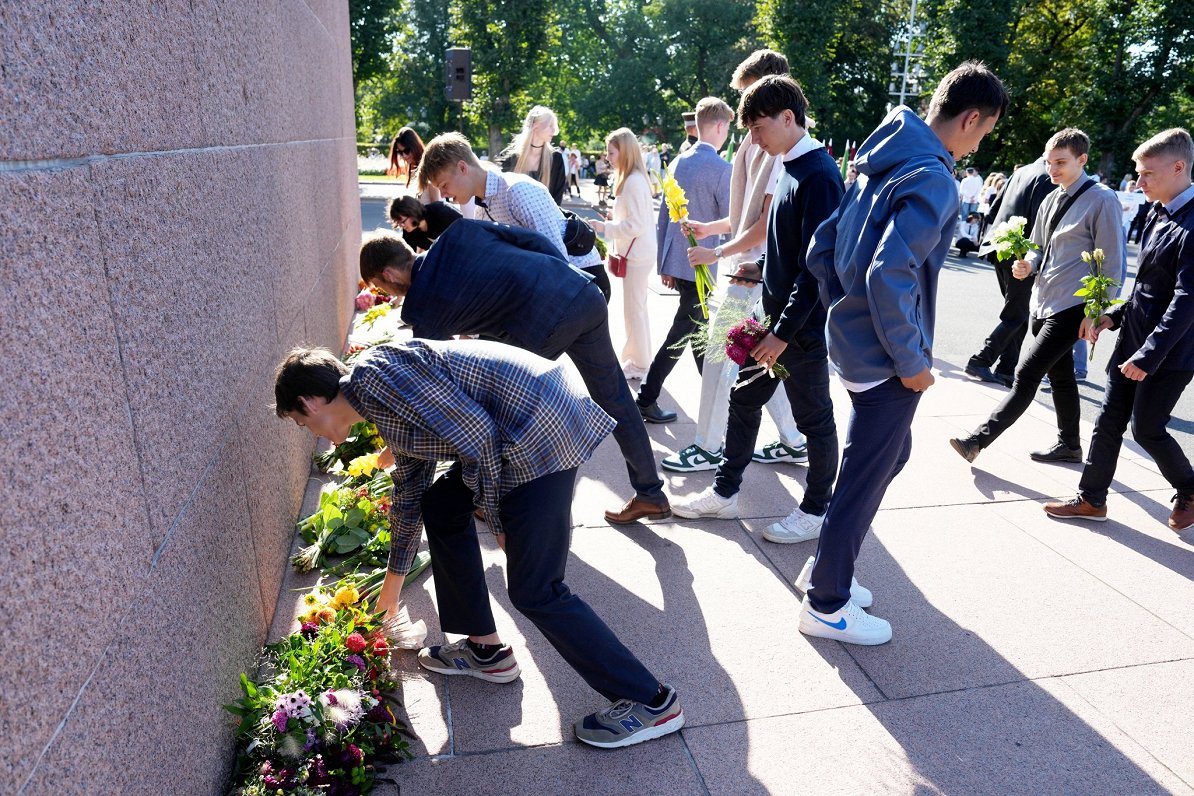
<point x="1130" y="202"/>
<point x="970" y="187"/>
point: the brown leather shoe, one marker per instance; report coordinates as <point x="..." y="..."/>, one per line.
<point x="638" y="509"/>
<point x="1078" y="508"/>
<point x="1183" y="512"/>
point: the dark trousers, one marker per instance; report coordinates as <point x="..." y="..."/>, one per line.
<point x="1148" y="404"/>
<point x="1050" y="354"/>
<point x="537" y="520"/>
<point x="688" y="319"/>
<point x="878" y="444"/>
<point x="808" y="392"/>
<point x="584" y="336"/>
<point x="1004" y="342"/>
<point x="600" y="279"/>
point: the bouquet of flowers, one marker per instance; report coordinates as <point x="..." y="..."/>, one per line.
<point x="349" y="515"/>
<point x="362" y="438"/>
<point x="324" y="716"/>
<point x="1010" y="240"/>
<point x="1096" y="290"/>
<point x="744" y="336"/>
<point x="677" y="208"/>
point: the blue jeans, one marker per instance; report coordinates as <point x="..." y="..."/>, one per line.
<point x="584" y="336"/>
<point x="1148" y="404"/>
<point x="537" y="519"/>
<point x="878" y="444"/>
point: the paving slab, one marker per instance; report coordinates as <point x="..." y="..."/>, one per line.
<point x="1013" y="739"/>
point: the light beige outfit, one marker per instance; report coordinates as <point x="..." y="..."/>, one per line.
<point x="634" y="220"/>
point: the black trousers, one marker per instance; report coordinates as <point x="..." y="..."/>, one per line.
<point x="1148" y="404"/>
<point x="537" y="519"/>
<point x="808" y="392"/>
<point x="1050" y="354"/>
<point x="1003" y="344"/>
<point x="687" y="320"/>
<point x="600" y="279"/>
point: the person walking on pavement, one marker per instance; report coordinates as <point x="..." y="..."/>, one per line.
<point x="876" y="260"/>
<point x="1153" y="359"/>
<point x="1079" y="217"/>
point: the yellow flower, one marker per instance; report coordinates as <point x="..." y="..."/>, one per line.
<point x="310" y="615"/>
<point x="363" y="465"/>
<point x="344" y="597"/>
<point x="677" y="202"/>
<point x="314" y="600"/>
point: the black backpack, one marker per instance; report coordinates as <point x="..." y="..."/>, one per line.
<point x="579" y="237"/>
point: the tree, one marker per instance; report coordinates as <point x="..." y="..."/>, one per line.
<point x="371" y="24"/>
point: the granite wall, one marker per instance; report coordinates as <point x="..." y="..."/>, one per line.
<point x="178" y="206"/>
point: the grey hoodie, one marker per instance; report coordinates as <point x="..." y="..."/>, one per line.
<point x="876" y="258"/>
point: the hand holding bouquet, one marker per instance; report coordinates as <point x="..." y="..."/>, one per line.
<point x="677" y="208"/>
<point x="1010" y="240"/>
<point x="741" y="340"/>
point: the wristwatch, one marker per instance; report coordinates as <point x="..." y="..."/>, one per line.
<point x="717" y="250"/>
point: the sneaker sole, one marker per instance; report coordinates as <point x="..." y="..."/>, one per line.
<point x="771" y="536"/>
<point x="501" y="676"/>
<point x="695" y="515"/>
<point x="784" y="460"/>
<point x="813" y="628"/>
<point x="696" y="468"/>
<point x="1066" y="460"/>
<point x="646" y="734"/>
<point x="1074" y="517"/>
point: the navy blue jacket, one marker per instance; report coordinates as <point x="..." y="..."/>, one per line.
<point x="1156" y="323"/>
<point x="809" y="190"/>
<point x="484" y="278"/>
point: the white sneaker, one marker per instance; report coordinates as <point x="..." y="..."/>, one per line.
<point x="849" y="624"/>
<point x="706" y="504"/>
<point x="796" y="527"/>
<point x="859" y="595"/>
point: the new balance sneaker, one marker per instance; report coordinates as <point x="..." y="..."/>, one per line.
<point x="796" y="527"/>
<point x="849" y="624"/>
<point x="459" y="658"/>
<point x="859" y="595"/>
<point x="625" y="723"/>
<point x="706" y="504"/>
<point x="693" y="459"/>
<point x="778" y="453"/>
<point x="1077" y="508"/>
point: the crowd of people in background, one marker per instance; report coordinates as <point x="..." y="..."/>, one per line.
<point x="837" y="261"/>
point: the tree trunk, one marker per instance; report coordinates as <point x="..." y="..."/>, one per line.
<point x="495" y="141"/>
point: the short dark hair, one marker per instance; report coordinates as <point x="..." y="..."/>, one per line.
<point x="1070" y="138"/>
<point x="306" y="373"/>
<point x="382" y="250"/>
<point x="770" y="97"/>
<point x="758" y="65"/>
<point x="971" y="85"/>
<point x="405" y="207"/>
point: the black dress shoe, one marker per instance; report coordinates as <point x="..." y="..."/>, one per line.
<point x="967" y="447"/>
<point x="653" y="414"/>
<point x="1004" y="379"/>
<point x="1058" y="453"/>
<point x="982" y="372"/>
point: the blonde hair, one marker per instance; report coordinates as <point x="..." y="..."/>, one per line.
<point x="710" y="111"/>
<point x="1175" y="143"/>
<point x="522" y="147"/>
<point x="630" y="156"/>
<point x="443" y="152"/>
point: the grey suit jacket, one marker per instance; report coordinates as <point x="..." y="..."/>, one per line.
<point x="705" y="178"/>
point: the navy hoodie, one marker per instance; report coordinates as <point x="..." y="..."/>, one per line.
<point x="877" y="257"/>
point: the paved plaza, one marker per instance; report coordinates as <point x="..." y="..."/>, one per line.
<point x="1030" y="655"/>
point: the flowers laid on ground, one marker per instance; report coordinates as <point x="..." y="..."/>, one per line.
<point x="369" y="296"/>
<point x="1010" y="239"/>
<point x="740" y="340"/>
<point x="362" y="438"/>
<point x="323" y="716"/>
<point x="375" y="314"/>
<point x="1097" y="290"/>
<point x="677" y="208"/>
<point x="349" y="515"/>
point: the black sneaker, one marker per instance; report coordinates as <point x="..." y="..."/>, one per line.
<point x="1058" y="453"/>
<point x="967" y="447"/>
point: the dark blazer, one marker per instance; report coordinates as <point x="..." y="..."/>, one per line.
<point x="1156" y="323"/>
<point x="504" y="282"/>
<point x="557" y="181"/>
<point x="1022" y="195"/>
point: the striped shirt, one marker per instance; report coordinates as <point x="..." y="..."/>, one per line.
<point x="522" y="201"/>
<point x="506" y="415"/>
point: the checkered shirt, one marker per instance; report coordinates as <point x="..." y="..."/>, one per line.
<point x="522" y="201"/>
<point x="506" y="415"/>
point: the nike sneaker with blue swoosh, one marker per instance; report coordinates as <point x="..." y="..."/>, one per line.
<point x="625" y="723"/>
<point x="849" y="624"/>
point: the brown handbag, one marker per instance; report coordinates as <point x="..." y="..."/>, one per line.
<point x="617" y="262"/>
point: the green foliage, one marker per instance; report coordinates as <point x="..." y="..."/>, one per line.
<point x="372" y="23"/>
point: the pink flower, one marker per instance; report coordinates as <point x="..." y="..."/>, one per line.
<point x="364" y="299"/>
<point x="355" y="642"/>
<point x="737" y="353"/>
<point x="308" y="629"/>
<point x="280" y="718"/>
